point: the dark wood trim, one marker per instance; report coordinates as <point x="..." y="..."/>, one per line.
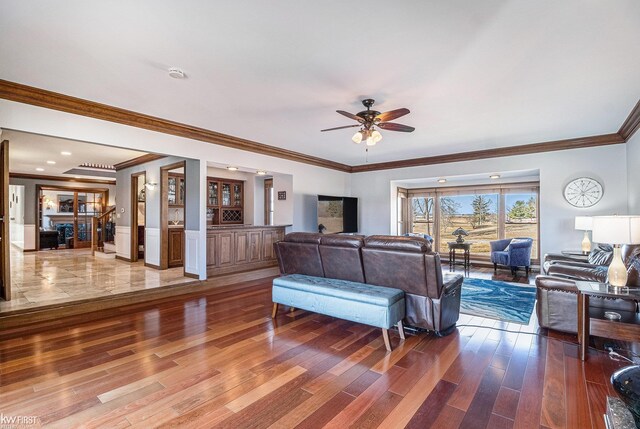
<point x="155" y="267"/>
<point x="137" y="161"/>
<point x="29" y="250"/>
<point x="133" y="256"/>
<point x="52" y="100"/>
<point x="5" y="244"/>
<point x="191" y="275"/>
<point x="631" y="124"/>
<point x="122" y="258"/>
<point x="582" y="142"/>
<point x="60" y="179"/>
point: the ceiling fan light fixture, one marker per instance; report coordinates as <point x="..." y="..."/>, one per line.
<point x="357" y="137"/>
<point x="376" y="136"/>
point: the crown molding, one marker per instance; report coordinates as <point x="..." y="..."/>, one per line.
<point x="52" y="100"/>
<point x="60" y="179"/>
<point x="602" y="140"/>
<point x="631" y="124"/>
<point x="137" y="161"/>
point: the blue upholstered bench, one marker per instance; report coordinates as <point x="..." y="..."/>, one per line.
<point x="378" y="306"/>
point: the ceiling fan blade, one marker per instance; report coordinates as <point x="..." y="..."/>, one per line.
<point x="350" y="116"/>
<point x="395" y="127"/>
<point x="392" y="114"/>
<point x="339" y="128"/>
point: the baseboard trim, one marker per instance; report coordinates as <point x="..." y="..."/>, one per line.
<point x="155" y="267"/>
<point x="191" y="275"/>
<point x="122" y="258"/>
<point x="29" y="250"/>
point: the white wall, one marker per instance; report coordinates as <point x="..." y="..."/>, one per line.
<point x="16" y="215"/>
<point x="309" y="180"/>
<point x="606" y="164"/>
<point x="633" y="182"/>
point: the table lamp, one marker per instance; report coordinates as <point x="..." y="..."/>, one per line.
<point x="617" y="230"/>
<point x="585" y="223"/>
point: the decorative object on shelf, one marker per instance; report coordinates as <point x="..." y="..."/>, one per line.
<point x="141" y="195"/>
<point x="583" y="192"/>
<point x="282" y="195"/>
<point x="616" y="230"/>
<point x="460" y="232"/>
<point x="626" y="381"/>
<point x="584" y="223"/>
<point x="369" y="119"/>
<point x="176" y="217"/>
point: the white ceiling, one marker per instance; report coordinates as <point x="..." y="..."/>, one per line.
<point x="475" y="74"/>
<point x="30" y="151"/>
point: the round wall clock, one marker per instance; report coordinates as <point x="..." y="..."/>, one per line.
<point x="583" y="192"/>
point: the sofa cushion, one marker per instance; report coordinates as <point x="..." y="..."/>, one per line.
<point x="500" y="257"/>
<point x="404" y="244"/>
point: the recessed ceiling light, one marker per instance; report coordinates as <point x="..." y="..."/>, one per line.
<point x="176" y="73"/>
<point x="51" y="162"/>
<point x="494" y="176"/>
<point x="232" y="168"/>
<point x="65" y="153"/>
<point x="261" y="173"/>
<point x="39" y="169"/>
<point x="442" y="180"/>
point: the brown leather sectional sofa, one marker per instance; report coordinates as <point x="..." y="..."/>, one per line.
<point x="557" y="295"/>
<point x="407" y="263"/>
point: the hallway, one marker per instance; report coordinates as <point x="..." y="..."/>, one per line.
<point x="60" y="276"/>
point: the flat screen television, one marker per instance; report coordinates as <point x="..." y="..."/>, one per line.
<point x="337" y="214"/>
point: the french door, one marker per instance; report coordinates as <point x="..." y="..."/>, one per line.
<point x="5" y="269"/>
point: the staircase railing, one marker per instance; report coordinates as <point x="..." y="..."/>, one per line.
<point x="102" y="229"/>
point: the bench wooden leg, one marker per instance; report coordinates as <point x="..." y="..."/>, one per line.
<point x="385" y="336"/>
<point x="401" y="330"/>
<point x="275" y="310"/>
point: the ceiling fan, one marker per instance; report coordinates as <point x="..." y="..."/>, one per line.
<point x="369" y="119"/>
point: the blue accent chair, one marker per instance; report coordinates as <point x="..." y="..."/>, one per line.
<point x="512" y="252"/>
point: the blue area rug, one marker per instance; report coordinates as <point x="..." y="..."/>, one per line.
<point x="509" y="302"/>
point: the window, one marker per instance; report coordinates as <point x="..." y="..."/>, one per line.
<point x="486" y="213"/>
<point x="268" y="202"/>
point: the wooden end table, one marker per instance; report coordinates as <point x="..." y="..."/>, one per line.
<point x="591" y="321"/>
<point x="466" y="247"/>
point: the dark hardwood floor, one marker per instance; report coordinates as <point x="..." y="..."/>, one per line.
<point x="218" y="360"/>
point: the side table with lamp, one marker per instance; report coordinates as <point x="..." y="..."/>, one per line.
<point x="584" y="223"/>
<point x="616" y="230"/>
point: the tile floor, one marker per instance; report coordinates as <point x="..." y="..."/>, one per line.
<point x="57" y="276"/>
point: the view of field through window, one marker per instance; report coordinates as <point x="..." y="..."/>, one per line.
<point x="478" y="215"/>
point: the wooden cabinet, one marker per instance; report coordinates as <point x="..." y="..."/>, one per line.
<point x="235" y="249"/>
<point x="176" y="247"/>
<point x="270" y="236"/>
<point x="175" y="192"/>
<point x="225" y="201"/>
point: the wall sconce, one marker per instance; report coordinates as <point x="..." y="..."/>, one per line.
<point x="150" y="185"/>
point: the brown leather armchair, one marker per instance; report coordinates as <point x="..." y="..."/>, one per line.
<point x="557" y="295"/>
<point x="407" y="263"/>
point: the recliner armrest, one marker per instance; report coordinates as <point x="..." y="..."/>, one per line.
<point x="556" y="283"/>
<point x="451" y="284"/>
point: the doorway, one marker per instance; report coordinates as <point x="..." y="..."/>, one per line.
<point x="5" y="265"/>
<point x="138" y="214"/>
<point x="173" y="193"/>
<point x="68" y="212"/>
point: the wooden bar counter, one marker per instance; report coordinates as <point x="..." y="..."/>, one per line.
<point x="234" y="248"/>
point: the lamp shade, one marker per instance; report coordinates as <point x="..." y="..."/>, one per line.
<point x="584" y="223"/>
<point x="616" y="229"/>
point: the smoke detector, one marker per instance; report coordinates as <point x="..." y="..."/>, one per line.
<point x="176" y="73"/>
